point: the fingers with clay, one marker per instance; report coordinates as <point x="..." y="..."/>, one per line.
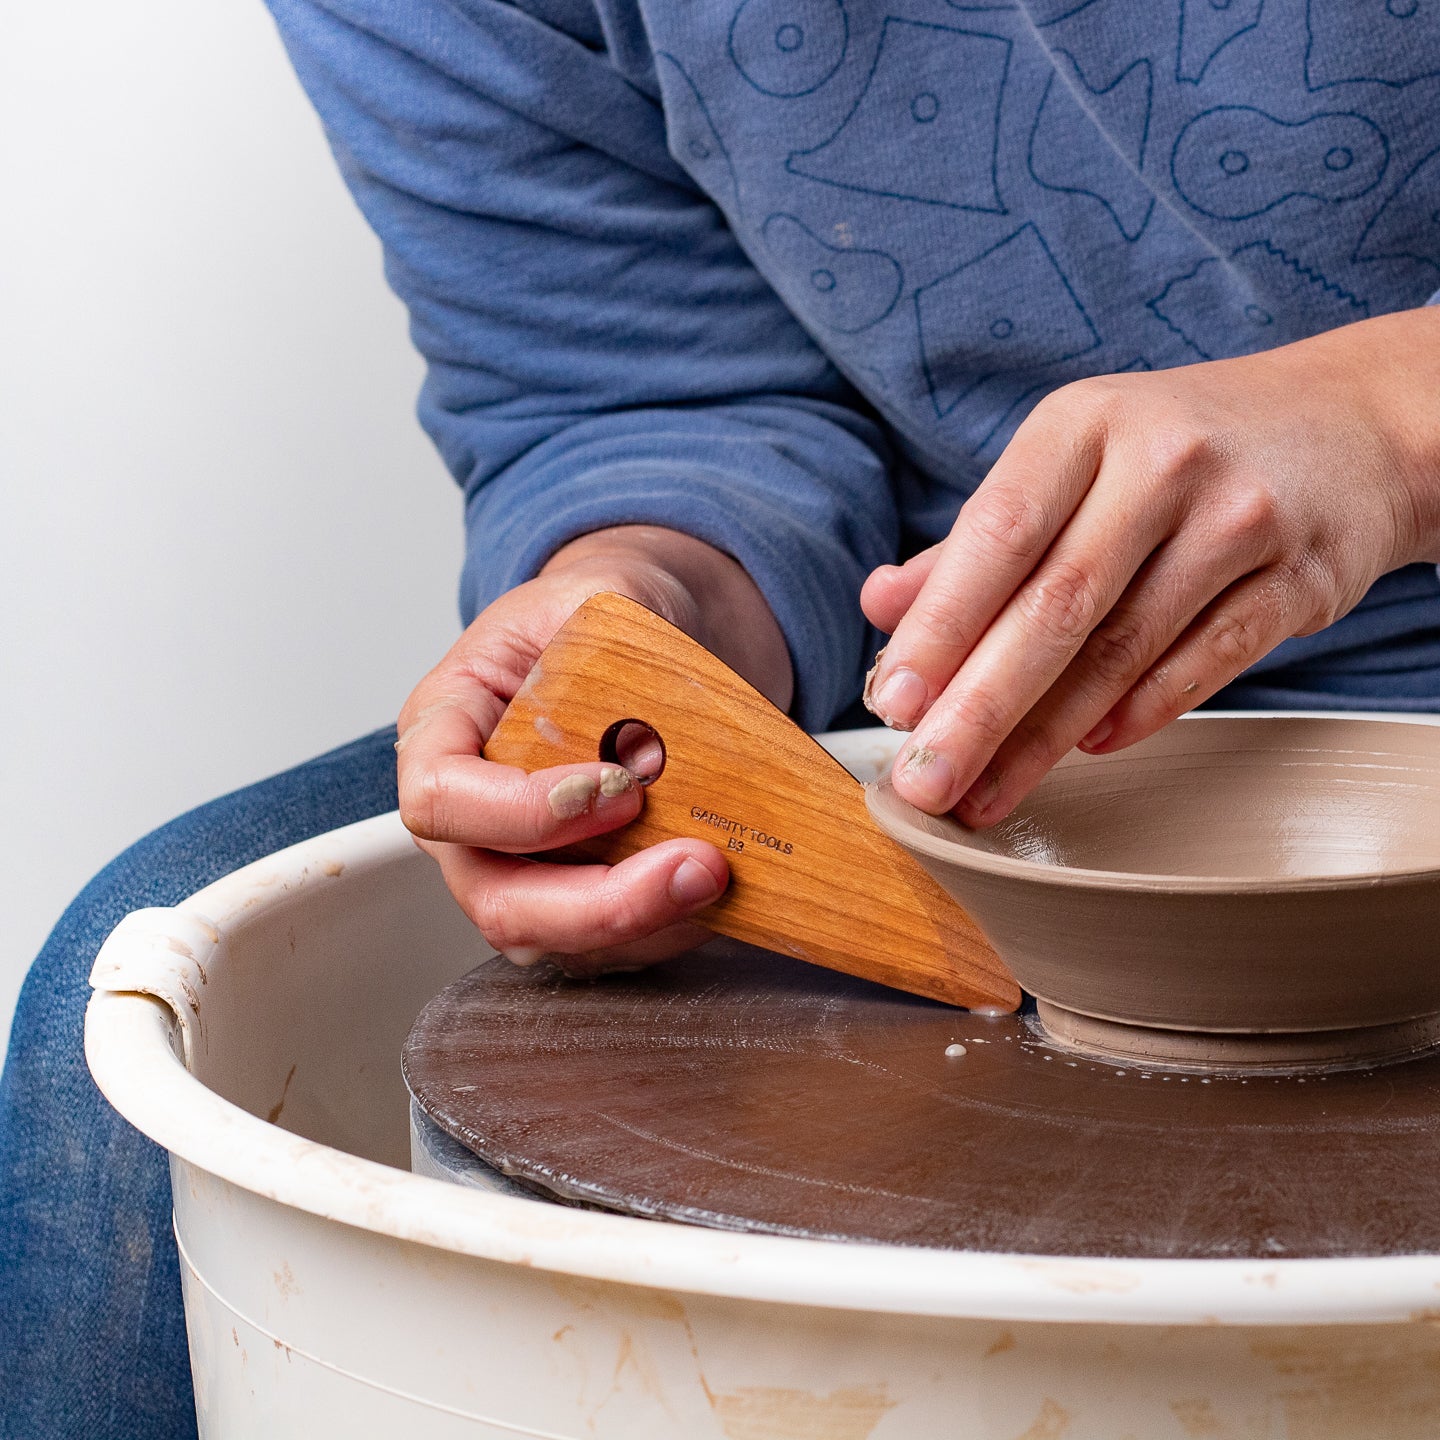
<point x="1164" y="648"/>
<point x="998" y="539"/>
<point x="1143" y="540"/>
<point x="449" y="796"/>
<point x="999" y="610"/>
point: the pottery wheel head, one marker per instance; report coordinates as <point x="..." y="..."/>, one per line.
<point x="742" y="1089"/>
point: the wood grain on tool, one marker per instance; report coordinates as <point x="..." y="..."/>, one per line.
<point x="811" y="874"/>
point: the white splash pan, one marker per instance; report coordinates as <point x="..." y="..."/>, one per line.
<point x="254" y="1032"/>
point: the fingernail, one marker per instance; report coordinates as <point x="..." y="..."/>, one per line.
<point x="929" y="777"/>
<point x="524" y="956"/>
<point x="898" y="702"/>
<point x="1099" y="735"/>
<point x="980" y="799"/>
<point x="692" y="884"/>
<point x="571" y="798"/>
<point x="615" y="780"/>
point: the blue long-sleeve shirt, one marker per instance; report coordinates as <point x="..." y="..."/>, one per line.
<point x="787" y="274"/>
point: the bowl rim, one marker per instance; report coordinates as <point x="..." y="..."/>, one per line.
<point x="881" y="793"/>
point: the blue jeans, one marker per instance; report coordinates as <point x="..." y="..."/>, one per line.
<point x="92" y="1337"/>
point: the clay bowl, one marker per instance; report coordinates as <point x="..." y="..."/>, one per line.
<point x="1252" y="890"/>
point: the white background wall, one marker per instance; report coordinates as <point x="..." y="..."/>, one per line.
<point x="224" y="542"/>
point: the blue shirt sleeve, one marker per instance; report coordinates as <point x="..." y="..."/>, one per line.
<point x="600" y="350"/>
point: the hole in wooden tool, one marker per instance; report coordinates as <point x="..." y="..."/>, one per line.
<point x="636" y="746"/>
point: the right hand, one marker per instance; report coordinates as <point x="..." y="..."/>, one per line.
<point x="477" y="819"/>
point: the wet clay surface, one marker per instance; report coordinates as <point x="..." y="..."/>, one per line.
<point x="1263" y="800"/>
<point x="741" y="1089"/>
<point x="1247" y="875"/>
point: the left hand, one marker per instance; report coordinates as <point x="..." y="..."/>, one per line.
<point x="1142" y="540"/>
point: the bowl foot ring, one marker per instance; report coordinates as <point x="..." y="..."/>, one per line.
<point x="1289" y="1052"/>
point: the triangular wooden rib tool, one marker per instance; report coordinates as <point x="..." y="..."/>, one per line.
<point x="811" y="874"/>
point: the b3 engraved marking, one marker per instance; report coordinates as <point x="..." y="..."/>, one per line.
<point x="739" y="832"/>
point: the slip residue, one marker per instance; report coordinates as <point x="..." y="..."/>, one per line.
<point x="571" y="797"/>
<point x="867" y="694"/>
<point x="549" y="731"/>
<point x="756" y="1411"/>
<point x="615" y="780"/>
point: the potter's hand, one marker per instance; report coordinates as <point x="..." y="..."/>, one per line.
<point x="1142" y="540"/>
<point x="477" y="818"/>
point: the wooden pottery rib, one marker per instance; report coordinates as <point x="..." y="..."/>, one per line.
<point x="811" y="873"/>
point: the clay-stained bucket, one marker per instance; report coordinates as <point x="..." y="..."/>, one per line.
<point x="255" y="1032"/>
